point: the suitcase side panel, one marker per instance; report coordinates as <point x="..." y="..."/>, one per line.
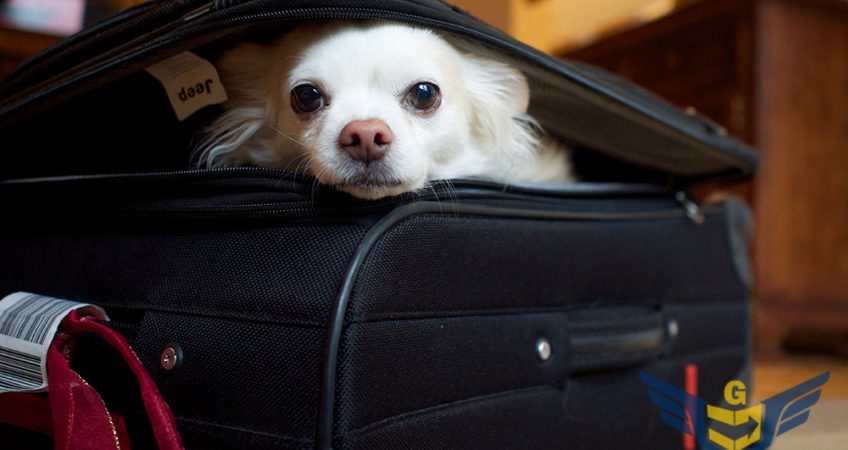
<point x="445" y="294"/>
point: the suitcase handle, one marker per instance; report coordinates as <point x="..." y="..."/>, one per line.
<point x="612" y="338"/>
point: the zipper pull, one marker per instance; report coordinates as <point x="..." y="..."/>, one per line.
<point x="693" y="211"/>
<point x="198" y="12"/>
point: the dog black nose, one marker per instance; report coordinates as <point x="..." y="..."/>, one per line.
<point x="366" y="140"/>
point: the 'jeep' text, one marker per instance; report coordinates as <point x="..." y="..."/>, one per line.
<point x="198" y="89"/>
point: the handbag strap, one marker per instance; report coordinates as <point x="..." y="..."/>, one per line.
<point x="80" y="417"/>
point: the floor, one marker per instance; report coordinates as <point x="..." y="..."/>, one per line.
<point x="827" y="426"/>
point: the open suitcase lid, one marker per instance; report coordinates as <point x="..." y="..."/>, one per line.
<point x="578" y="103"/>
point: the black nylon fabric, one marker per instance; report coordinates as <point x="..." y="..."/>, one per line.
<point x="705" y="326"/>
<point x="526" y="419"/>
<point x="394" y="367"/>
<point x="488" y="264"/>
<point x="253" y="378"/>
<point x="605" y="410"/>
<point x="286" y="273"/>
<point x="206" y="436"/>
<point x="34" y="440"/>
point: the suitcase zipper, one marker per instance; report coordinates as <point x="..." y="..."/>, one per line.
<point x="273" y="193"/>
<point x="693" y="210"/>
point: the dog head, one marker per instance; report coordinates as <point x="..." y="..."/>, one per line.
<point x="374" y="109"/>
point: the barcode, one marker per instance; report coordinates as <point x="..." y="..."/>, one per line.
<point x="30" y="319"/>
<point x="19" y="371"/>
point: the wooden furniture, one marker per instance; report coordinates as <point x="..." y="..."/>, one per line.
<point x="555" y="24"/>
<point x="701" y="56"/>
<point x="775" y="73"/>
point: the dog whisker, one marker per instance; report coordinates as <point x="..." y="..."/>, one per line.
<point x="435" y="195"/>
<point x="316" y="184"/>
<point x="277" y="130"/>
<point x="301" y="163"/>
<point x="453" y="196"/>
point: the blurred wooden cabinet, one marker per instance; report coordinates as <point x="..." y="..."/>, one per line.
<point x="555" y="24"/>
<point x="775" y="73"/>
<point x="701" y="56"/>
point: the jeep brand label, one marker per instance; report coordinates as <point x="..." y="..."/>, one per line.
<point x="190" y="81"/>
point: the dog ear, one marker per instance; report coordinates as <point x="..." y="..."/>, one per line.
<point x="240" y="133"/>
<point x="499" y="98"/>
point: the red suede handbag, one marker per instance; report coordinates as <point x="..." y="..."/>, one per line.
<point x="79" y="416"/>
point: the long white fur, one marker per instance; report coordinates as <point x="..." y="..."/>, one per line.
<point x="481" y="130"/>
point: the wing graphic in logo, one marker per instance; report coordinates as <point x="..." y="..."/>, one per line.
<point x="789" y="409"/>
<point x="678" y="408"/>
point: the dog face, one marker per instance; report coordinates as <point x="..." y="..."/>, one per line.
<point x="372" y="109"/>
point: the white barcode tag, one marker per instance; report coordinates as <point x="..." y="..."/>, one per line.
<point x="190" y="81"/>
<point x="28" y="323"/>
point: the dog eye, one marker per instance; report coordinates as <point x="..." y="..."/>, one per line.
<point x="306" y="98"/>
<point x="423" y="96"/>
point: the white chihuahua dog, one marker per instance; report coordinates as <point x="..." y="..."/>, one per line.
<point x="378" y="109"/>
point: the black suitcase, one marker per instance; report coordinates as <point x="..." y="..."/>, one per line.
<point x="470" y="316"/>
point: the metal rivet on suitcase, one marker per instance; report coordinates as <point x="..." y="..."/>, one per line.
<point x="171" y="357"/>
<point x="543" y="349"/>
<point x="693" y="211"/>
<point x="672" y="328"/>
